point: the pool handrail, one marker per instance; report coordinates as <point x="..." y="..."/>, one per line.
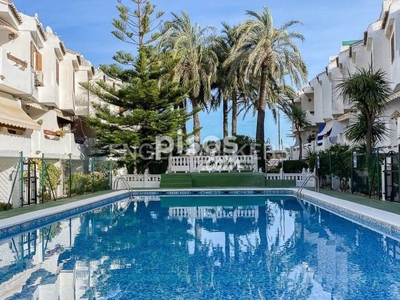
<point x="123" y="179"/>
<point x="304" y="183"/>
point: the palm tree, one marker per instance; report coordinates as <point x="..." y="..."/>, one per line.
<point x="367" y="92"/>
<point x="357" y="131"/>
<point x="283" y="97"/>
<point x="230" y="84"/>
<point x="299" y="122"/>
<point x="270" y="54"/>
<point x="196" y="61"/>
<point x="222" y="84"/>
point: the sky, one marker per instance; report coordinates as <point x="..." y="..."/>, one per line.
<point x="85" y="27"/>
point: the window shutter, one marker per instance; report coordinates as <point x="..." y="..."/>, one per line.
<point x="33" y="50"/>
<point x="57" y="72"/>
<point x="73" y="81"/>
<point x="392" y="51"/>
<point x="38" y="61"/>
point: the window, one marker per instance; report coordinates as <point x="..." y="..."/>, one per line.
<point x="392" y="49"/>
<point x="73" y="80"/>
<point x="57" y="72"/>
<point x="36" y="58"/>
<point x="38" y="61"/>
<point x="33" y="51"/>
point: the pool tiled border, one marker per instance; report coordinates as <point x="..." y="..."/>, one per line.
<point x="378" y="220"/>
<point x="249" y="191"/>
<point x="40" y="218"/>
<point x="384" y="222"/>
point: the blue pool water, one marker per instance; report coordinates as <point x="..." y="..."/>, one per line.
<point x="197" y="247"/>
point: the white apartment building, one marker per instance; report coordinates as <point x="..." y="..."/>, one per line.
<point x="41" y="99"/>
<point x="325" y="108"/>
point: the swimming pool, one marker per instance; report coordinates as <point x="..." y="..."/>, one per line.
<point x="201" y="247"/>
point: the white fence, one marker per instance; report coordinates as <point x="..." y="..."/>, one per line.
<point x="299" y="177"/>
<point x="153" y="181"/>
<point x="225" y="163"/>
<point x="137" y="181"/>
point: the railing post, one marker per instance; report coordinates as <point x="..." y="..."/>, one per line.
<point x="70" y="176"/>
<point x="42" y="178"/>
<point x="191" y="164"/>
<point x="93" y="166"/>
<point x="255" y="161"/>
<point x="110" y="175"/>
<point x="169" y="163"/>
<point x="145" y="177"/>
<point x="21" y="166"/>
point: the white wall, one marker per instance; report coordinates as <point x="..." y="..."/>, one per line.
<point x="67" y="75"/>
<point x="18" y="48"/>
<point x="49" y="93"/>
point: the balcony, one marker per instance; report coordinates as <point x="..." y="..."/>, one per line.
<point x="13" y="141"/>
<point x="56" y="145"/>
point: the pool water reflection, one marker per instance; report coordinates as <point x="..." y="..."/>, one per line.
<point x="236" y="247"/>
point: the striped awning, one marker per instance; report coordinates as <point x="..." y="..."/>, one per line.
<point x="344" y="117"/>
<point x="327" y="129"/>
<point x="12" y="114"/>
<point x="325" y="132"/>
<point x="5" y="25"/>
<point x="36" y="106"/>
<point x="63" y="115"/>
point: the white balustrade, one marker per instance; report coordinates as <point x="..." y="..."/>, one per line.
<point x="299" y="177"/>
<point x="139" y="181"/>
<point x="219" y="163"/>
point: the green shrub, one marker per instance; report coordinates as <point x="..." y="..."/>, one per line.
<point x="86" y="183"/>
<point x="101" y="181"/>
<point x="51" y="179"/>
<point x="274" y="170"/>
<point x="293" y="166"/>
<point x="5" y="206"/>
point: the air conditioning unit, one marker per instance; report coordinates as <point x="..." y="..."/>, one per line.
<point x="38" y="78"/>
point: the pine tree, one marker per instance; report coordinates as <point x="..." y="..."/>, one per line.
<point x="146" y="97"/>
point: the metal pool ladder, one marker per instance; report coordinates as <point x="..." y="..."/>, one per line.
<point x="298" y="193"/>
<point x="125" y="182"/>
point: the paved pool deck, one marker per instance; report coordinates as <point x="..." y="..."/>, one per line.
<point x="382" y="211"/>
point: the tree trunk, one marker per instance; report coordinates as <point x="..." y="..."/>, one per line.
<point x="184" y="129"/>
<point x="225" y="117"/>
<point x="196" y="121"/>
<point x="368" y="154"/>
<point x="368" y="140"/>
<point x="234" y="115"/>
<point x="301" y="147"/>
<point x="262" y="103"/>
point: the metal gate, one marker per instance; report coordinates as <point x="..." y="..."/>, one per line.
<point x="391" y="176"/>
<point x="31" y="179"/>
